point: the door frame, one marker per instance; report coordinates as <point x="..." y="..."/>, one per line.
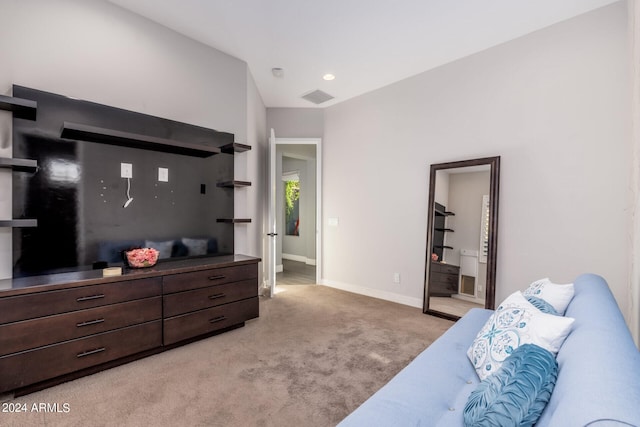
<point x="318" y="143"/>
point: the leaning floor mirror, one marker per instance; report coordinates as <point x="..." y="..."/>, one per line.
<point x="462" y="237"/>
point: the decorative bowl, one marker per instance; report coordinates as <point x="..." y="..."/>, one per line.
<point x="141" y="258"/>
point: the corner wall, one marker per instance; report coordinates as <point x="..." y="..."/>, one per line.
<point x="553" y="104"/>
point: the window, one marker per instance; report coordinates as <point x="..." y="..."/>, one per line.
<point x="292" y="203"/>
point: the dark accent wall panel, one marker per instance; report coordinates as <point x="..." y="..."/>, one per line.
<point x="77" y="194"/>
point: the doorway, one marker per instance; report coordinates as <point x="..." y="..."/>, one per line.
<point x="297" y="188"/>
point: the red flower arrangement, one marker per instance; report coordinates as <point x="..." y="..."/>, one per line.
<point x="143" y="257"/>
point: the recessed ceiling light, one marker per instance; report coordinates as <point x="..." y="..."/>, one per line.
<point x="277" y="72"/>
<point x="328" y="77"/>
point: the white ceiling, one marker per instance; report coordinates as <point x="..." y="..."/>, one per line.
<point x="367" y="44"/>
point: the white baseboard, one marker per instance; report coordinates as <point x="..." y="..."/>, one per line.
<point x="279" y="268"/>
<point x="299" y="258"/>
<point x="375" y="293"/>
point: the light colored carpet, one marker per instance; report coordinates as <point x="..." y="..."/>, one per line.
<point x="314" y="355"/>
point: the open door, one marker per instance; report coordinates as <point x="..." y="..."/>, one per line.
<point x="271" y="224"/>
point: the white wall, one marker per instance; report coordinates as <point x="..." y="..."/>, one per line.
<point x="553" y="104"/>
<point x="96" y="51"/>
<point x="250" y="202"/>
<point x="296" y="122"/>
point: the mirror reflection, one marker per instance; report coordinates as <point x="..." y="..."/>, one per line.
<point x="460" y="265"/>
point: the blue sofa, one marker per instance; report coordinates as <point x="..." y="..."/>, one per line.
<point x="598" y="381"/>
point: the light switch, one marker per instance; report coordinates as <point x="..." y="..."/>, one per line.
<point x="333" y="222"/>
<point x="163" y="174"/>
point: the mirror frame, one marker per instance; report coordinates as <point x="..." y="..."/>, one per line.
<point x="490" y="287"/>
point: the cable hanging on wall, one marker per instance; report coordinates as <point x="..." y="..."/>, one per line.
<point x="129" y="198"/>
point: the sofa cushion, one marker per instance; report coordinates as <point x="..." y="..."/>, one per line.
<point x="433" y="389"/>
<point x="195" y="246"/>
<point x="164" y="248"/>
<point x="599" y="364"/>
<point x="515" y="322"/>
<point x="517" y="393"/>
<point x="559" y="296"/>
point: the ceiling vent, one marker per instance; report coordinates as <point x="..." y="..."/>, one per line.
<point x="317" y="96"/>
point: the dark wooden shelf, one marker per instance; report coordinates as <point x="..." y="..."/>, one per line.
<point x="444" y="229"/>
<point x="234" y="184"/>
<point x="444" y="213"/>
<point x="133" y="140"/>
<point x="19" y="223"/>
<point x="234" y="220"/>
<point x="22" y="108"/>
<point x="235" y="147"/>
<point x="22" y="165"/>
<point x="443" y="246"/>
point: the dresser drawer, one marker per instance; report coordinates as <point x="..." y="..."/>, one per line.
<point x="201" y="279"/>
<point x="212" y="319"/>
<point x="22" y="369"/>
<point x="198" y="299"/>
<point x="29" y="334"/>
<point x="23" y="307"/>
<point x="447" y="279"/>
<point x="444" y="268"/>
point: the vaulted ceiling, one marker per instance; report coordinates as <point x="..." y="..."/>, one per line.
<point x="365" y="44"/>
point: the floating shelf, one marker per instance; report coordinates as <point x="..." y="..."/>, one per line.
<point x="133" y="140"/>
<point x="19" y="223"/>
<point x="443" y="247"/>
<point x="22" y="165"/>
<point x="444" y="229"/>
<point x="22" y="108"/>
<point x="234" y="184"/>
<point x="235" y="147"/>
<point x="444" y="213"/>
<point x="234" y="220"/>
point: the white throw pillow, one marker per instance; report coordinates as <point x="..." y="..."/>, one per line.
<point x="559" y="296"/>
<point x="515" y="322"/>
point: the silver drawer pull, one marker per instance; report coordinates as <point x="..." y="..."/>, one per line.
<point x="89" y="298"/>
<point x="218" y="319"/>
<point x="90" y="352"/>
<point x="216" y="296"/>
<point x="218" y="277"/>
<point x="90" y="322"/>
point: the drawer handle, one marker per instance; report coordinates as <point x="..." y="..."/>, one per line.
<point x="218" y="277"/>
<point x="218" y="319"/>
<point x="90" y="352"/>
<point x="216" y="296"/>
<point x="89" y="298"/>
<point x="90" y="322"/>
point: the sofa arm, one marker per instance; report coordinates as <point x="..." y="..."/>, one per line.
<point x="599" y="364"/>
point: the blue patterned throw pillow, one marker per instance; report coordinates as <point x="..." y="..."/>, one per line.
<point x="517" y="393"/>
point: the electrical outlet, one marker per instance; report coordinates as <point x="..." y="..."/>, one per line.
<point x="396" y="277"/>
<point x="126" y="170"/>
<point x="163" y="174"/>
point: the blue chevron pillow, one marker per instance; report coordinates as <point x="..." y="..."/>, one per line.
<point x="542" y="305"/>
<point x="517" y="393"/>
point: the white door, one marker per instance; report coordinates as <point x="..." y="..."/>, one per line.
<point x="271" y="226"/>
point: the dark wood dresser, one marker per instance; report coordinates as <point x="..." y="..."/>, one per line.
<point x="59" y="327"/>
<point x="444" y="279"/>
